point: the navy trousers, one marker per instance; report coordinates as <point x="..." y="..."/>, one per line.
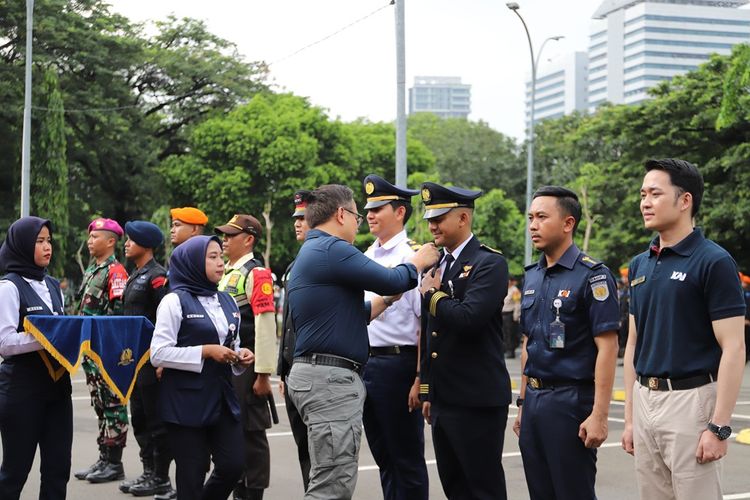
<point x="191" y="445"/>
<point x="34" y="411"/>
<point x="468" y="445"/>
<point x="395" y="435"/>
<point x="556" y="463"/>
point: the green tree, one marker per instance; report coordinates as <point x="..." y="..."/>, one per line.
<point x="50" y="173"/>
<point x="499" y="224"/>
<point x="468" y="152"/>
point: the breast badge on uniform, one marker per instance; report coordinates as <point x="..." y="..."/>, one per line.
<point x="637" y="281"/>
<point x="233" y="280"/>
<point x="600" y="291"/>
<point x="465" y="273"/>
<point x="563" y="293"/>
<point x="126" y="357"/>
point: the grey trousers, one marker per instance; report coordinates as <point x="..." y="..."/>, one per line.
<point x="330" y="401"/>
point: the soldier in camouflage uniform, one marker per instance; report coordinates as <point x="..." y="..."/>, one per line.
<point x="100" y="294"/>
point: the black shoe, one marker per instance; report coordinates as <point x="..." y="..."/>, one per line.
<point x="110" y="472"/>
<point x="127" y="484"/>
<point x="153" y="486"/>
<point x="170" y="495"/>
<point x="96" y="466"/>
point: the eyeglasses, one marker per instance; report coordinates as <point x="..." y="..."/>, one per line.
<point x="359" y="217"/>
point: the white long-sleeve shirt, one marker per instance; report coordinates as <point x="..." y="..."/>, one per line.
<point x="164" y="350"/>
<point x="11" y="340"/>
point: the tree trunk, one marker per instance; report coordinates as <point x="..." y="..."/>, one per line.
<point x="269" y="226"/>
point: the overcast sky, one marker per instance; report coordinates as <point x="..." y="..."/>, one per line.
<point x="353" y="74"/>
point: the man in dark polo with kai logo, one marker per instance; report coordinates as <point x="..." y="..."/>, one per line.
<point x="685" y="352"/>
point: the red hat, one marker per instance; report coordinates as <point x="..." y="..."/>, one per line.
<point x="102" y="224"/>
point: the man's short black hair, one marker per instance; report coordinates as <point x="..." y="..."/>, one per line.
<point x="323" y="203"/>
<point x="406" y="205"/>
<point x="567" y="200"/>
<point x="683" y="175"/>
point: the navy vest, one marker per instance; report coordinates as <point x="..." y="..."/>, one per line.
<point x="31" y="366"/>
<point x="196" y="399"/>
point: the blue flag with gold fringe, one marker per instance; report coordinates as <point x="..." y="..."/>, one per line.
<point x="119" y="345"/>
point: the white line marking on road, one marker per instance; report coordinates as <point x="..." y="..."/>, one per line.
<point x="510" y="454"/>
<point x="737" y="496"/>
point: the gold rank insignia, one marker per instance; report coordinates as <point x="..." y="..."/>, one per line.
<point x="426" y="195"/>
<point x="600" y="291"/>
<point x="369" y="188"/>
<point x="586" y="258"/>
<point x="126" y="357"/>
<point x="637" y="281"/>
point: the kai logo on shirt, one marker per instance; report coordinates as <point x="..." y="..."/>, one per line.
<point x="677" y="275"/>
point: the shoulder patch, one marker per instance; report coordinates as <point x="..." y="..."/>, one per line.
<point x="490" y="249"/>
<point x="589" y="262"/>
<point x="414" y="245"/>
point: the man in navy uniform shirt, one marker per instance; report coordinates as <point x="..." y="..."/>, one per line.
<point x="569" y="319"/>
<point x="685" y="352"/>
<point x="329" y="315"/>
<point x="463" y="375"/>
<point x="395" y="432"/>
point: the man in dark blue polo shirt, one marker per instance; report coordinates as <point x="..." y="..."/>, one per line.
<point x="330" y="316"/>
<point x="685" y="352"/>
<point x="569" y="319"/>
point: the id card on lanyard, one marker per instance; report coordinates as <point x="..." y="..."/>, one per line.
<point x="557" y="329"/>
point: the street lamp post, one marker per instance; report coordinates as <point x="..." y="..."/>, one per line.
<point x="530" y="146"/>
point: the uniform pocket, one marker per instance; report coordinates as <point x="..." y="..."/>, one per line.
<point x="335" y="442"/>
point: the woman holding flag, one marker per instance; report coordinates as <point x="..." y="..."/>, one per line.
<point x="35" y="404"/>
<point x="196" y="342"/>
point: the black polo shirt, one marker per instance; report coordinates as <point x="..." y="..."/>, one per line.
<point x="589" y="307"/>
<point x="675" y="294"/>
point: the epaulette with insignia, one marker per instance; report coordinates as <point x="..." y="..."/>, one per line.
<point x="589" y="262"/>
<point x="490" y="249"/>
<point x="414" y="245"/>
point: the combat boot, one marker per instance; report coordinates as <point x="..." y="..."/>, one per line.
<point x="169" y="495"/>
<point x="113" y="469"/>
<point x="96" y="466"/>
<point x="153" y="486"/>
<point x="148" y="473"/>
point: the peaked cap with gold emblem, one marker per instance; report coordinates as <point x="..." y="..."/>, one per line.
<point x="380" y="192"/>
<point x="439" y="200"/>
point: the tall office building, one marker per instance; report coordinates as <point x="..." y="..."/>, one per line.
<point x="444" y="96"/>
<point x="560" y="87"/>
<point x="635" y="44"/>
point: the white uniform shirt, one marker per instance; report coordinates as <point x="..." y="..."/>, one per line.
<point x="11" y="341"/>
<point x="164" y="350"/>
<point x="399" y="323"/>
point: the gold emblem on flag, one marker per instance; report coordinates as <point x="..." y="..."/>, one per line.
<point x="126" y="357"/>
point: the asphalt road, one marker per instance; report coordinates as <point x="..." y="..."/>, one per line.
<point x="615" y="479"/>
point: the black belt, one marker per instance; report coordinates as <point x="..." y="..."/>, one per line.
<point x="675" y="384"/>
<point x="392" y="349"/>
<point x="329" y="360"/>
<point x="538" y="383"/>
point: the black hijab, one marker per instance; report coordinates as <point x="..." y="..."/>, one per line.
<point x="187" y="267"/>
<point x="17" y="252"/>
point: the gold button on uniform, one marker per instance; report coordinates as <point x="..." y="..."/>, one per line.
<point x="434" y="355"/>
<point x="434" y="334"/>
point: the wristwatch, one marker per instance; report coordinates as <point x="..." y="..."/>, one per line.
<point x="519" y="402"/>
<point x="722" y="432"/>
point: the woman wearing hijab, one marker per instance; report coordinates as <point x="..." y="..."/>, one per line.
<point x="35" y="410"/>
<point x="196" y="342"/>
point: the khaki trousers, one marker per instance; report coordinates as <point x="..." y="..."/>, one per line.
<point x="666" y="429"/>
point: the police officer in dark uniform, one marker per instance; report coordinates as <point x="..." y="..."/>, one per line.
<point x="463" y="374"/>
<point x="569" y="319"/>
<point x="288" y="338"/>
<point x="143" y="292"/>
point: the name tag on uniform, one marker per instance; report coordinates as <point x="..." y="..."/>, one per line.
<point x="528" y="292"/>
<point x="34" y="308"/>
<point x="194" y="316"/>
<point x="637" y="281"/>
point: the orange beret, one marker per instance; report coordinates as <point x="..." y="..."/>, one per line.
<point x="189" y="215"/>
